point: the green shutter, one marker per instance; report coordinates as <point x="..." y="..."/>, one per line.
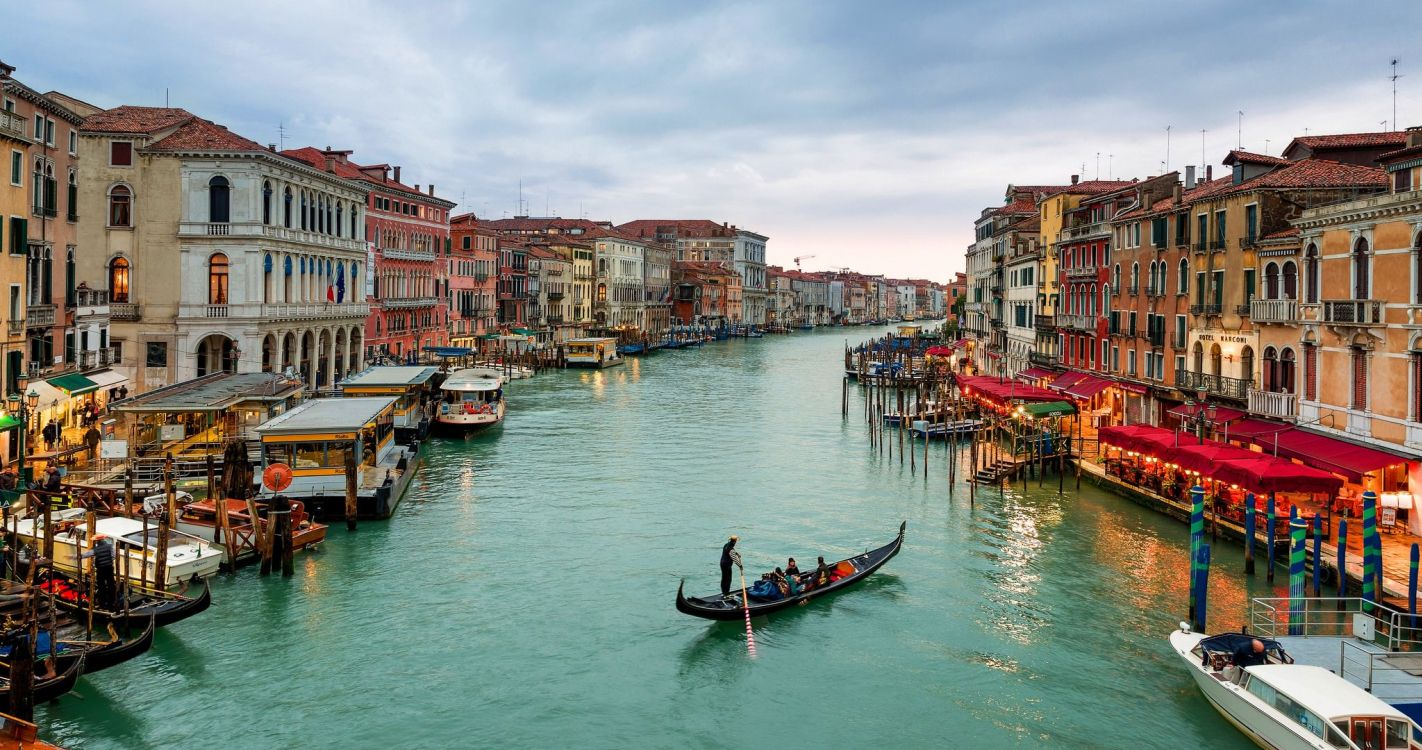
<point x="1248" y="285"/>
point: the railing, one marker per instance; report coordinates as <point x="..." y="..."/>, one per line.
<point x="1361" y="312"/>
<point x="1211" y="309"/>
<point x="1152" y="291"/>
<point x="1274" y="311"/>
<point x="13" y="125"/>
<point x="1248" y="241"/>
<point x="309" y="237"/>
<point x="1370" y="638"/>
<point x="40" y="209"/>
<point x="1217" y="384"/>
<point x="402" y="303"/>
<point x="15" y="327"/>
<point x="1078" y="322"/>
<point x="91" y="297"/>
<point x="39" y="316"/>
<point x="123" y="311"/>
<point x="1201" y="246"/>
<point x="1217" y="245"/>
<point x="1045" y="323"/>
<point x="1081" y="272"/>
<point x="1280" y="405"/>
<point x="1085" y="230"/>
<point x="1156" y="338"/>
<point x="214" y="311"/>
<point x="1241" y="309"/>
<point x="1038" y="358"/>
<point x="1133" y="289"/>
<point x="395" y="253"/>
<point x="307" y="311"/>
<point x="89" y="360"/>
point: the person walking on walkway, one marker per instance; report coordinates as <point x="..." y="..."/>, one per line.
<point x="51" y="434"/>
<point x="729" y="555"/>
<point x="91" y="441"/>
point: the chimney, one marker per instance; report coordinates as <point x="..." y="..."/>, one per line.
<point x="397" y="174"/>
<point x="1178" y="194"/>
<point x="417" y="187"/>
<point x="431" y="188"/>
<point x="1414" y="136"/>
<point x="1190" y="177"/>
<point x="1209" y="172"/>
<point x="1075" y="179"/>
<point x="271" y="147"/>
<point x="330" y="164"/>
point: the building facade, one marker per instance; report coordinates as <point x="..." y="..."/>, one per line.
<point x="473" y="278"/>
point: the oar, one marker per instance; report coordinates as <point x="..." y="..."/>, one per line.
<point x="745" y="604"/>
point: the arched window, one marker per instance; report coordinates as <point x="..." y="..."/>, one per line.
<point x="69" y="276"/>
<point x="1199" y="358"/>
<point x="1183" y="283"/>
<point x="267" y="202"/>
<point x="1271" y="281"/>
<point x="219" y="200"/>
<point x="73" y="211"/>
<point x="1311" y="274"/>
<point x="286" y="208"/>
<point x="353" y="222"/>
<point x="336" y="228"/>
<point x="118" y="279"/>
<point x="1116" y="276"/>
<point x="1216" y="360"/>
<point x="1291" y="280"/>
<point x="1091" y="300"/>
<point x="217" y="279"/>
<point x="120" y="206"/>
<point x="1416" y="268"/>
<point x="305" y="211"/>
<point x="1271" y="369"/>
<point x="1135" y="277"/>
<point x="1106" y="301"/>
<point x="1285" y="380"/>
<point x="267" y="265"/>
<point x="1361" y="285"/>
<point x="320" y="223"/>
<point x="1246" y="364"/>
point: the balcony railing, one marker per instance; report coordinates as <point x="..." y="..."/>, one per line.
<point x="39" y="316"/>
<point x="1133" y="289"/>
<point x="13" y="125"/>
<point x="394" y="253"/>
<point x="1217" y="245"/>
<point x="15" y="327"/>
<point x="123" y="311"/>
<point x="1218" y="385"/>
<point x="1358" y="312"/>
<point x="1241" y="309"/>
<point x="1077" y="322"/>
<point x="1274" y="311"/>
<point x="1038" y="358"/>
<point x="1211" y="309"/>
<point x="1201" y="246"/>
<point x="91" y="297"/>
<point x="1278" y="405"/>
<point x="1045" y="323"/>
<point x="1081" y="272"/>
<point x="1085" y="230"/>
<point x="1248" y="241"/>
<point x="89" y="360"/>
<point x="308" y="311"/>
<point x="1153" y="292"/>
<point x="405" y="303"/>
<point x="1156" y="338"/>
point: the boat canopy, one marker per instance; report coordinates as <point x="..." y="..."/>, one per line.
<point x="449" y="351"/>
<point x="472" y="380"/>
<point x="1324" y="692"/>
<point x="400" y="375"/>
<point x="324" y="415"/>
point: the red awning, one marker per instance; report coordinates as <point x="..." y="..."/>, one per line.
<point x="1066" y="380"/>
<point x="1204" y="457"/>
<point x="1003" y="392"/>
<point x="939" y="351"/>
<point x="1266" y="474"/>
<point x="1341" y="457"/>
<point x="1222" y="415"/>
<point x="1088" y="386"/>
<point x="1246" y="429"/>
<point x="1126" y="385"/>
<point x="1035" y="373"/>
<point x="1152" y="441"/>
<point x="994" y="355"/>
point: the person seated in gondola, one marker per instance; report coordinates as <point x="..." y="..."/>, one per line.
<point x="791" y="569"/>
<point x="781" y="582"/>
<point x="822" y="573"/>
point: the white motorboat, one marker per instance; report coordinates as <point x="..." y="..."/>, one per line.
<point x="471" y="399"/>
<point x="1285" y="705"/>
<point x="135" y="556"/>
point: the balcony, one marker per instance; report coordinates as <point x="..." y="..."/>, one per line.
<point x="1201" y="246"/>
<point x="1274" y="311"/>
<point x="1218" y="385"/>
<point x="123" y="311"/>
<point x="308" y="311"/>
<point x="1038" y="358"/>
<point x="995" y="322"/>
<point x="42" y="210"/>
<point x="392" y="253"/>
<point x="555" y="294"/>
<point x="1084" y="231"/>
<point x="1248" y="241"/>
<point x="1082" y="272"/>
<point x="1353" y="312"/>
<point x="39" y="316"/>
<point x="1152" y="292"/>
<point x="406" y="303"/>
<point x="91" y="297"/>
<point x="1133" y="289"/>
<point x="190" y="229"/>
<point x="1156" y="338"/>
<point x="1217" y="245"/>
<point x="1277" y="405"/>
<point x="1045" y="323"/>
<point x="13" y="126"/>
<point x="1214" y="309"/>
<point x="15" y="327"/>
<point x="1077" y="322"/>
<point x="89" y="360"/>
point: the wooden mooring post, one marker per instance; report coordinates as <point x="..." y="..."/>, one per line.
<point x="351" y="506"/>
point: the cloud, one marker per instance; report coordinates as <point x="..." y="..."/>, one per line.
<point x="869" y="135"/>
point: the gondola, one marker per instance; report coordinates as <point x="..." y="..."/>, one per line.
<point x="729" y="607"/>
<point x="120" y="650"/>
<point x="68" y="667"/>
<point x="164" y="607"/>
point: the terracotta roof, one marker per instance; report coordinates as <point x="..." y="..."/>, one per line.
<point x="679" y="227"/>
<point x="1399" y="154"/>
<point x="198" y="134"/>
<point x="1302" y="174"/>
<point x="1019" y="206"/>
<point x="128" y="119"/>
<point x="342" y="166"/>
<point x="541" y="224"/>
<point x="1091" y="187"/>
<point x="1350" y="140"/>
<point x="543" y="253"/>
<point x="1248" y="157"/>
<point x="1282" y="234"/>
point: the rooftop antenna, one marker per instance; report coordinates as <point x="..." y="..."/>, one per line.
<point x="1110" y="166"/>
<point x="519" y="211"/>
<point x="1098" y="165"/>
<point x="1165" y="165"/>
<point x="1239" y="131"/>
<point x="1383" y="123"/>
<point x="1394" y="90"/>
<point x="1394" y="77"/>
<point x="281" y="136"/>
<point x="1202" y="145"/>
<point x="1266" y="146"/>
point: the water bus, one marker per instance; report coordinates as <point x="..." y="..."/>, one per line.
<point x="319" y="437"/>
<point x="408" y="385"/>
<point x="593" y="352"/>
<point x="471" y="399"/>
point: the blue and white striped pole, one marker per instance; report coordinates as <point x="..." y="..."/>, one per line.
<point x="1342" y="560"/>
<point x="1370" y="559"/>
<point x="1249" y="523"/>
<point x="1317" y="554"/>
<point x="1271" y="518"/>
<point x="1412" y="586"/>
<point x="1201" y="581"/>
<point x="1197" y="537"/>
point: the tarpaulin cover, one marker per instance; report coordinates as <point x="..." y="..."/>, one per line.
<point x="1221" y="414"/>
<point x="1005" y="391"/>
<point x="1035" y="372"/>
<point x="1087" y="387"/>
<point x="1267" y="474"/>
<point x="1341" y="457"/>
<point x="1049" y="409"/>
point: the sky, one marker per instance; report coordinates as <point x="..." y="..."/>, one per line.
<point x="853" y="134"/>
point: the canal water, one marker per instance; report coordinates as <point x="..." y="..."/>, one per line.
<point x="522" y="595"/>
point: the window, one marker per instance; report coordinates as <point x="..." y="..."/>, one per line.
<point x="1184" y="280"/>
<point x="73" y="195"/>
<point x="17" y="168"/>
<point x="120" y="206"/>
<point x="1157" y="232"/>
<point x="1359" y="357"/>
<point x="1116" y="276"/>
<point x="1135" y="277"/>
<point x="1220" y="229"/>
<point x="118" y="280"/>
<point x="1203" y="233"/>
<point x="1199" y="287"/>
<point x="286" y="208"/>
<point x="1131" y="362"/>
<point x="1179" y="342"/>
<point x="156" y="354"/>
<point x="120" y="154"/>
<point x="219" y="200"/>
<point x="1251" y="223"/>
<point x="1271" y="281"/>
<point x="1182" y="229"/>
<point x="19" y="235"/>
<point x="1248" y="285"/>
<point x="1291" y="280"/>
<point x="1219" y="282"/>
<point x="39" y="128"/>
<point x="1310" y="372"/>
<point x="73" y="143"/>
<point x="466" y="242"/>
<point x="1402" y="180"/>
<point x="266" y="202"/>
<point x="69" y="276"/>
<point x="1311" y="276"/>
<point x="1361" y="285"/>
<point x="1285" y="380"/>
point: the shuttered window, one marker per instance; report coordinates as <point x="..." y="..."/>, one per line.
<point x="1360" y="378"/>
<point x="1310" y="372"/>
<point x="1416" y="361"/>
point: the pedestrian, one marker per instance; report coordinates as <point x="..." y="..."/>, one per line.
<point x="103" y="554"/>
<point x="123" y="392"/>
<point x="729" y="555"/>
<point x="91" y="441"/>
<point x="51" y="434"/>
<point x="52" y="481"/>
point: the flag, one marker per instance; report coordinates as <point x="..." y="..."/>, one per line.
<point x="341" y="283"/>
<point x="330" y="293"/>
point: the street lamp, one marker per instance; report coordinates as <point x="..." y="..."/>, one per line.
<point x="22" y="407"/>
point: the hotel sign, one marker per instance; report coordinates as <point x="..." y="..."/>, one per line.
<point x="1224" y="338"/>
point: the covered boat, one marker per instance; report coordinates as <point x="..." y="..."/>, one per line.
<point x="470" y="399"/>
<point x="730" y="606"/>
<point x="136" y="546"/>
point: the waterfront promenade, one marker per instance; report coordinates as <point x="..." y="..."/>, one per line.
<point x="522" y="594"/>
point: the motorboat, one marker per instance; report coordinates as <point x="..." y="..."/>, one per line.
<point x="199" y="518"/>
<point x="471" y="399"/>
<point x="1280" y="704"/>
<point x="934" y="429"/>
<point x="136" y="546"/>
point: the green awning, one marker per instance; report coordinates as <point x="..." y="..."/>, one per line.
<point x="8" y="422"/>
<point x="524" y="332"/>
<point x="73" y="384"/>
<point x="1048" y="409"/>
<point x="489" y="336"/>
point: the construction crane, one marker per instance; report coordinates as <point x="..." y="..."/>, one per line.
<point x="802" y="257"/>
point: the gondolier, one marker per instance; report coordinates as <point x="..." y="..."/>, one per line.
<point x="103" y="554"/>
<point x="729" y="555"/>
